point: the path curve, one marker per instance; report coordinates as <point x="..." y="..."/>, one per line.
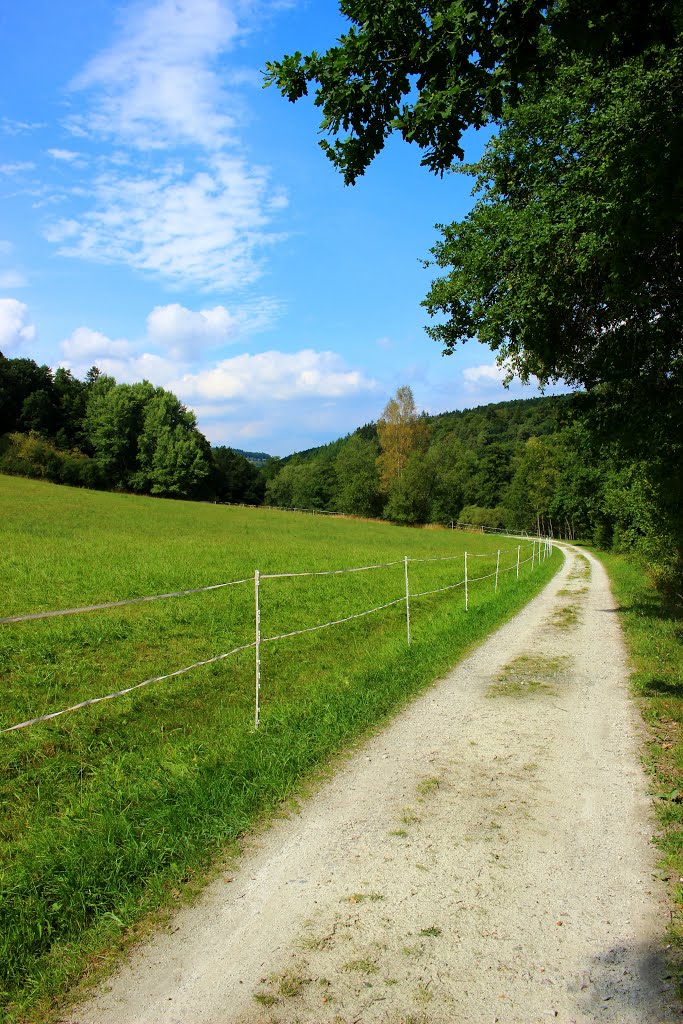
<point x="486" y="858"/>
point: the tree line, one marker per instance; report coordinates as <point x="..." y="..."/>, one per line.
<point x="97" y="433"/>
<point x="544" y="463"/>
<point x="541" y="463"/>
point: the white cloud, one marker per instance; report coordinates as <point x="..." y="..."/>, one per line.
<point x="66" y="155"/>
<point x="206" y="231"/>
<point x="275" y="377"/>
<point x="5" y="247"/>
<point x="157" y="84"/>
<point x="15" y="327"/>
<point x="86" y="345"/>
<point x="285" y="400"/>
<point x="486" y="373"/>
<point x="120" y="358"/>
<point x="185" y="332"/>
<point x="12" y="279"/>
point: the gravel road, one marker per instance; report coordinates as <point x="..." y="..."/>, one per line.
<point x="487" y="857"/>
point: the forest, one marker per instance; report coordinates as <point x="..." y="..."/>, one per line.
<point x="100" y="434"/>
<point x="542" y="463"/>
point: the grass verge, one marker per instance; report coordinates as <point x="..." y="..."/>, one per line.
<point x="654" y="634"/>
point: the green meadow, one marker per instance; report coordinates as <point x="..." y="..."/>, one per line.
<point x="116" y="810"/>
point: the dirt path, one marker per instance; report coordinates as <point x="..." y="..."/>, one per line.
<point x="486" y="858"/>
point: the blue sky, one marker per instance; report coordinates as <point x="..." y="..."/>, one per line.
<point x="164" y="216"/>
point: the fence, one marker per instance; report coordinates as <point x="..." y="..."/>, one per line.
<point x="541" y="548"/>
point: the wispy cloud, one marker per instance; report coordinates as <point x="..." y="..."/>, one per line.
<point x="18" y="167"/>
<point x="11" y="127"/>
<point x="67" y="156"/>
<point x="157" y="85"/>
<point x="196" y="212"/>
<point x="209" y="230"/>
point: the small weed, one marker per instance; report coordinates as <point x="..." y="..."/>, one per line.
<point x="566" y="617"/>
<point x="364" y="897"/>
<point x="427" y="786"/>
<point x="411" y="950"/>
<point x="433" y="930"/>
<point x="362" y="966"/>
<point x="265" y="998"/>
<point x="312" y="943"/>
<point x="290" y="984"/>
<point x="421" y="867"/>
<point x="423" y="995"/>
<point x="409" y="817"/>
<point x="400" y="832"/>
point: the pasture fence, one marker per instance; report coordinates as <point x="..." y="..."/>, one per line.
<point x="541" y="548"/>
<point x="453" y="524"/>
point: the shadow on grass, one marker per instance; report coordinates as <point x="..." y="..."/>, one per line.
<point x="657" y="687"/>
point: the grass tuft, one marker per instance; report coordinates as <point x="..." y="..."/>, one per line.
<point x="529" y="674"/>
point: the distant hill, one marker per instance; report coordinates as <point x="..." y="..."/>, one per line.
<point x="258" y="458"/>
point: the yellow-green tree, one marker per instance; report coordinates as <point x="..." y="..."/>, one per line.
<point x="401" y="431"/>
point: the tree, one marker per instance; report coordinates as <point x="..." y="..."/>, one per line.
<point x="400" y="431"/>
<point x="431" y="69"/>
<point x="358" y="478"/>
<point x="19" y="380"/>
<point x="569" y="266"/>
<point x="173" y="457"/>
<point x="410" y="500"/>
<point x="113" y="424"/>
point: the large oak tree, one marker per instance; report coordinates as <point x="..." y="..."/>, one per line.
<point x="569" y="265"/>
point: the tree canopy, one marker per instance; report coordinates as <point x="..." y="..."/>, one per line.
<point x="569" y="265"/>
<point x="97" y="433"/>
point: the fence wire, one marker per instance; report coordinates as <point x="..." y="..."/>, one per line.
<point x="128" y="689"/>
<point x="120" y="604"/>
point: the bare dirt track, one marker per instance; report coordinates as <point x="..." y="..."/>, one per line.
<point x="487" y="857"/>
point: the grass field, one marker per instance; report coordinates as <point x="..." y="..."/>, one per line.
<point x="113" y="811"/>
<point x="654" y="633"/>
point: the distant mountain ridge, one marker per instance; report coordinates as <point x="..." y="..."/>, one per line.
<point x="257" y="458"/>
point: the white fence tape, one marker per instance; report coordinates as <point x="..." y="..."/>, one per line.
<point x="334" y="622"/>
<point x="257" y="580"/>
<point x="120" y="604"/>
<point x="326" y="572"/>
<point x="129" y="689"/>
